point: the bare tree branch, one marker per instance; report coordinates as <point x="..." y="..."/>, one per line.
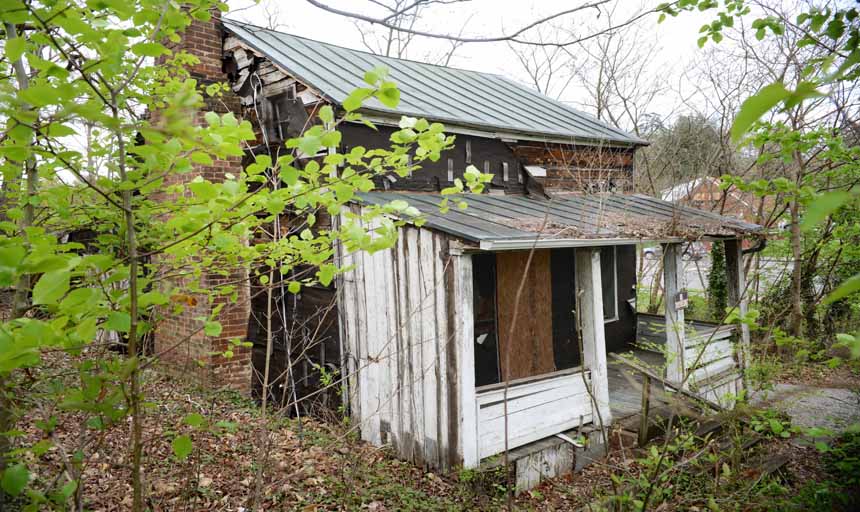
<point x="511" y="37"/>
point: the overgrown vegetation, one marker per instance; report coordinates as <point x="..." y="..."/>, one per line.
<point x="99" y="139"/>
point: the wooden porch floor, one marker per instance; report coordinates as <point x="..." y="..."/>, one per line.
<point x="625" y="384"/>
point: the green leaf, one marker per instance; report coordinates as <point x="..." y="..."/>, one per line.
<point x="326" y="114"/>
<point x="389" y="94"/>
<point x="822" y="206"/>
<point x="756" y="106"/>
<point x="51" y="287"/>
<point x="149" y="49"/>
<point x="194" y="420"/>
<point x="212" y="328"/>
<point x="69" y="488"/>
<point x="294" y="287"/>
<point x="15" y="48"/>
<point x="15" y="479"/>
<point x="119" y="321"/>
<point x="849" y="287"/>
<point x="356" y="98"/>
<point x="182" y="447"/>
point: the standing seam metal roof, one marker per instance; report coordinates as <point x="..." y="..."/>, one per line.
<point x="454" y="96"/>
<point x="494" y="218"/>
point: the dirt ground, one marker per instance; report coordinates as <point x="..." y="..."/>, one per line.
<point x="312" y="465"/>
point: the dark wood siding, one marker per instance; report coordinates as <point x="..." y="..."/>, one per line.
<point x="486" y="155"/>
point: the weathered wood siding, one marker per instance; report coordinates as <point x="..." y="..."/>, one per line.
<point x="405" y="312"/>
<point x="535" y="410"/>
<point x="486" y="154"/>
<point x="579" y="168"/>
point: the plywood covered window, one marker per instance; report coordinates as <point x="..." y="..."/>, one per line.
<point x="532" y="337"/>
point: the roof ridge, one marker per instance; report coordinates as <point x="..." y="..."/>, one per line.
<point x="366" y="52"/>
<point x="491" y="102"/>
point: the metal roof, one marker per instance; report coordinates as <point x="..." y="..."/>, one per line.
<point x="459" y="97"/>
<point x="497" y="222"/>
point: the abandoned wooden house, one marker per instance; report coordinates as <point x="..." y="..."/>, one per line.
<point x="485" y="329"/>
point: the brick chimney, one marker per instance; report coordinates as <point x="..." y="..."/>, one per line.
<point x="179" y="338"/>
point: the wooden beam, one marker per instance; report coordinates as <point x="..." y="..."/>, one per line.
<point x="737" y="294"/>
<point x="464" y="345"/>
<point x="589" y="295"/>
<point x="673" y="282"/>
<point x="643" y="414"/>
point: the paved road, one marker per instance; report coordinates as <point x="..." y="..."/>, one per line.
<point x="832" y="408"/>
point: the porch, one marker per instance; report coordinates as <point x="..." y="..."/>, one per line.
<point x="495" y="325"/>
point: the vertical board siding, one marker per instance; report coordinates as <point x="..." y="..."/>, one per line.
<point x="399" y="333"/>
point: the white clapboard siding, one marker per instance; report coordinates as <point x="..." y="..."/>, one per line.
<point x="397" y="317"/>
<point x="534" y="410"/>
<point x="701" y="355"/>
<point x="723" y="389"/>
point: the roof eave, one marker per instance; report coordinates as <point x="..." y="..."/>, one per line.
<point x="387" y="118"/>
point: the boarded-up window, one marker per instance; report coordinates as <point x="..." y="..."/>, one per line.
<point x="544" y="332"/>
<point x="450" y="169"/>
<point x="609" y="281"/>
<point x="525" y="335"/>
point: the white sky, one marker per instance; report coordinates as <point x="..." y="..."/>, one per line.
<point x="676" y="37"/>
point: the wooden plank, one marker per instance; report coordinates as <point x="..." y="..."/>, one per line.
<point x="673" y="282"/>
<point x="530" y="347"/>
<point x="383" y="270"/>
<point x="711" y="370"/>
<point x="371" y="363"/>
<point x="487" y="395"/>
<point x="442" y="343"/>
<point x="430" y="368"/>
<point x="496" y="409"/>
<point x="395" y="365"/>
<point x="701" y="355"/>
<point x="534" y="416"/>
<point x="590" y="307"/>
<point x="645" y="409"/>
<point x="348" y="311"/>
<point x="464" y="344"/>
<point x="404" y="357"/>
<point x="416" y="327"/>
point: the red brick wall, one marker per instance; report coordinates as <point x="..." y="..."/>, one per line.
<point x="179" y="338"/>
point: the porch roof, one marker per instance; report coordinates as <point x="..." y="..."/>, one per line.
<point x="498" y="222"/>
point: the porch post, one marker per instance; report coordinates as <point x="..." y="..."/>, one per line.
<point x="464" y="339"/>
<point x="673" y="282"/>
<point x="589" y="300"/>
<point x="737" y="293"/>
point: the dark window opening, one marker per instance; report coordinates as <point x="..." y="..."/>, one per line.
<point x="288" y="115"/>
<point x="609" y="282"/>
<point x="486" y="346"/>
